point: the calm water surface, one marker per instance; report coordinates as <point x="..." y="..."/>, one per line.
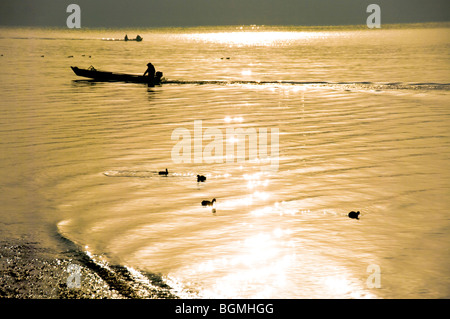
<point x="80" y="158"/>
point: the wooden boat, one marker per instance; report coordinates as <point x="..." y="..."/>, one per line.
<point x="94" y="74"/>
<point x="137" y="39"/>
<point x="116" y="39"/>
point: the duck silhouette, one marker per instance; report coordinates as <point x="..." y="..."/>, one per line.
<point x="165" y="173"/>
<point x="201" y="178"/>
<point x="208" y="203"/>
<point x="353" y="214"/>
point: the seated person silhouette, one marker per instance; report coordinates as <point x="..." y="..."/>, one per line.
<point x="151" y="74"/>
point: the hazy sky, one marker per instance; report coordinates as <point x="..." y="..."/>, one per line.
<point x="154" y="13"/>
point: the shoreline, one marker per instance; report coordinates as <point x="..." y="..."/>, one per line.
<point x="30" y="271"/>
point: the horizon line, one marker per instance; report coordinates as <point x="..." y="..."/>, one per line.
<point x="384" y="25"/>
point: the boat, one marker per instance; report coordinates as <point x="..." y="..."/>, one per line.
<point x="137" y="39"/>
<point x="126" y="40"/>
<point x="97" y="75"/>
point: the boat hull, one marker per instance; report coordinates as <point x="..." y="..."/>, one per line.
<point x="115" y="39"/>
<point x="112" y="76"/>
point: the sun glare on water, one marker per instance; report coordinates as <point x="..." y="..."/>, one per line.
<point x="260" y="38"/>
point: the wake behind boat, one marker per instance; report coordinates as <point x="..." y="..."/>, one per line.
<point x="97" y="75"/>
<point x="105" y="76"/>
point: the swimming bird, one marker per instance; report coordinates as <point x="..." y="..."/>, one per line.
<point x="201" y="178"/>
<point x="165" y="173"/>
<point x="353" y="214"/>
<point x="208" y="203"/>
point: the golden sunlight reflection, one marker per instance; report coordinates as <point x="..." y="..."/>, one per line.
<point x="292" y="208"/>
<point x="275" y="209"/>
<point x="259" y="268"/>
<point x="247" y="200"/>
<point x="260" y="265"/>
<point x="340" y="285"/>
<point x="337" y="284"/>
<point x="232" y="140"/>
<point x="254" y="37"/>
<point x="254" y="180"/>
<point x="229" y="119"/>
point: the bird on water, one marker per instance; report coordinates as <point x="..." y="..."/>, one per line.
<point x="353" y="214"/>
<point x="208" y="203"/>
<point x="165" y="173"/>
<point x="201" y="178"/>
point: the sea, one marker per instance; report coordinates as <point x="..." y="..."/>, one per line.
<point x="293" y="128"/>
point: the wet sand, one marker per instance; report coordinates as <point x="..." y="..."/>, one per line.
<point x="27" y="271"/>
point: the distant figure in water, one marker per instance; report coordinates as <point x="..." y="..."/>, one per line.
<point x="165" y="173"/>
<point x="126" y="37"/>
<point x="353" y="214"/>
<point x="138" y="38"/>
<point x="208" y="203"/>
<point x="201" y="178"/>
<point x="151" y="73"/>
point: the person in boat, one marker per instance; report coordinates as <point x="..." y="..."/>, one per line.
<point x="126" y="37"/>
<point x="151" y="73"/>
